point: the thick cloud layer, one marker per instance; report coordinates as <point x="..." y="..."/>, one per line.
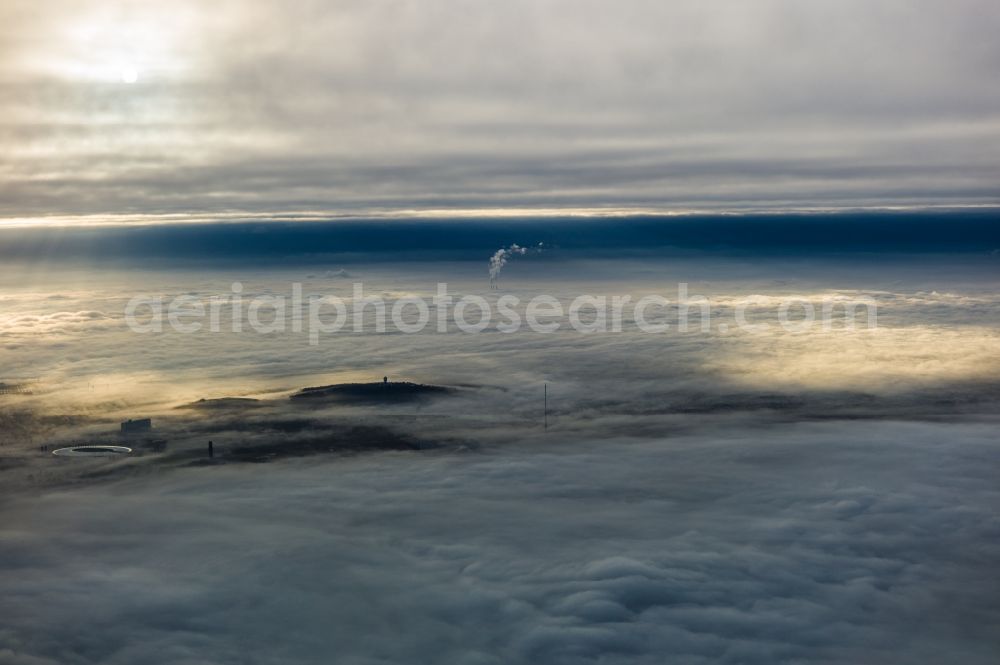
<point x="271" y="107"/>
<point x="826" y="543"/>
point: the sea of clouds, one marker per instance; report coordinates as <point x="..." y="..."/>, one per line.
<point x="811" y="543"/>
<point x="823" y="496"/>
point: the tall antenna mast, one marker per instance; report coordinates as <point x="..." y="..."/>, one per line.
<point x="545" y="410"/>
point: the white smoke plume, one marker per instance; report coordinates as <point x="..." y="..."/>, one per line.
<point x="504" y="254"/>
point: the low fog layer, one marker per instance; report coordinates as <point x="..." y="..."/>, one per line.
<point x="81" y="370"/>
<point x="64" y="334"/>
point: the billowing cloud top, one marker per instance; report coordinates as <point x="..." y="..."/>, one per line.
<point x="143" y="108"/>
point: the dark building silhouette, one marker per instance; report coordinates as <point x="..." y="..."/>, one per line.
<point x="135" y="426"/>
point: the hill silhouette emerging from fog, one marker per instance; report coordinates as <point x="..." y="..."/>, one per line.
<point x="373" y="393"/>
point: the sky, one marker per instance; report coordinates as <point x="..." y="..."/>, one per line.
<point x="727" y="493"/>
<point x="136" y="110"/>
